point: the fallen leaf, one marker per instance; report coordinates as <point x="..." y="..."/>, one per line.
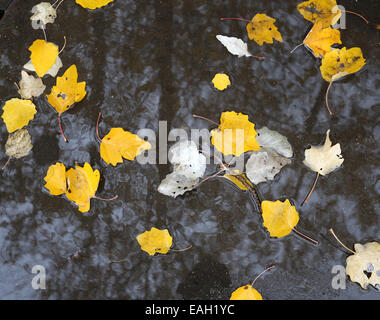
<point x="246" y="292"/>
<point x="43" y="55"/>
<point x="319" y="40"/>
<point x="340" y="62"/>
<point x="44" y="13"/>
<point x="67" y="90"/>
<point x="155" y="241"/>
<point x="366" y="259"/>
<point x="93" y="4"/>
<point x="82" y="183"/>
<point x="221" y="81"/>
<point x="56" y="179"/>
<point x="324" y="159"/>
<point x="119" y="144"/>
<point x="264" y="164"/>
<point x="235" y="134"/>
<point x="30" y="87"/>
<point x="17" y="113"/>
<point x="240" y="180"/>
<point x="324" y="11"/>
<point x="267" y="138"/>
<point x="279" y="217"/>
<point x="234" y="45"/>
<point x="262" y="29"/>
<point x="18" y="144"/>
<point x="52" y="71"/>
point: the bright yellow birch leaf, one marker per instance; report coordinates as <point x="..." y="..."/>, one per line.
<point x="235" y="134"/>
<point x="279" y="217"/>
<point x="119" y="144"/>
<point x="67" y="90"/>
<point x="324" y="11"/>
<point x="246" y="292"/>
<point x="43" y="56"/>
<point x="319" y="40"/>
<point x="262" y="29"/>
<point x="93" y="4"/>
<point x="155" y="241"/>
<point x="56" y="179"/>
<point x="340" y="62"/>
<point x="17" y="113"/>
<point x="82" y="183"/>
<point x="221" y="81"/>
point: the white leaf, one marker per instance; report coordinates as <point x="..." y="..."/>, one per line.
<point x="52" y="71"/>
<point x="189" y="167"/>
<point x="19" y="144"/>
<point x="272" y="139"/>
<point x="264" y="164"/>
<point x="44" y="13"/>
<point x="324" y="159"/>
<point x="234" y="45"/>
<point x="30" y="86"/>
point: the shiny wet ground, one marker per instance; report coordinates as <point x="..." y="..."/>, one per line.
<point x="146" y="61"/>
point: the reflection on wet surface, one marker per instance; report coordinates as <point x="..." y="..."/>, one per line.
<point x="146" y="61"/>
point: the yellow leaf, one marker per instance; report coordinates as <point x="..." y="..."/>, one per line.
<point x="93" y="4"/>
<point x="240" y="180"/>
<point x="67" y="90"/>
<point x="262" y="29"/>
<point x="235" y="134"/>
<point x="221" y="81"/>
<point x="324" y="11"/>
<point x="155" y="240"/>
<point x="43" y="56"/>
<point x="279" y="217"/>
<point x="17" y="113"/>
<point x="56" y="179"/>
<point x="246" y="292"/>
<point x="82" y="183"/>
<point x="119" y="143"/>
<point x="320" y="39"/>
<point x="340" y="62"/>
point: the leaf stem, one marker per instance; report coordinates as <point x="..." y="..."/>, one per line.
<point x="97" y="127"/>
<point x="56" y="8"/>
<point x="240" y="19"/>
<point x="110" y="199"/>
<point x="312" y="189"/>
<point x="64" y="45"/>
<point x="327" y="98"/>
<point x="181" y="250"/>
<point x="357" y="14"/>
<point x="200" y="117"/>
<point x="267" y="269"/>
<point x="301" y="44"/>
<point x="60" y="128"/>
<point x="332" y="232"/>
<point x="6" y="163"/>
<point x="305" y="236"/>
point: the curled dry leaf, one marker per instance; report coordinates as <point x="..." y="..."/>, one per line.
<point x="234" y="45"/>
<point x="155" y="241"/>
<point x="93" y="4"/>
<point x="189" y="167"/>
<point x="324" y="159"/>
<point x="56" y="179"/>
<point x="52" y="71"/>
<point x="262" y="29"/>
<point x="30" y="87"/>
<point x="280" y="217"/>
<point x="43" y="55"/>
<point x="264" y="164"/>
<point x="235" y="134"/>
<point x="18" y="144"/>
<point x="119" y="144"/>
<point x="324" y="11"/>
<point x="319" y="40"/>
<point x="366" y="259"/>
<point x="267" y="138"/>
<point x="221" y="81"/>
<point x="43" y="13"/>
<point x="17" y="113"/>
